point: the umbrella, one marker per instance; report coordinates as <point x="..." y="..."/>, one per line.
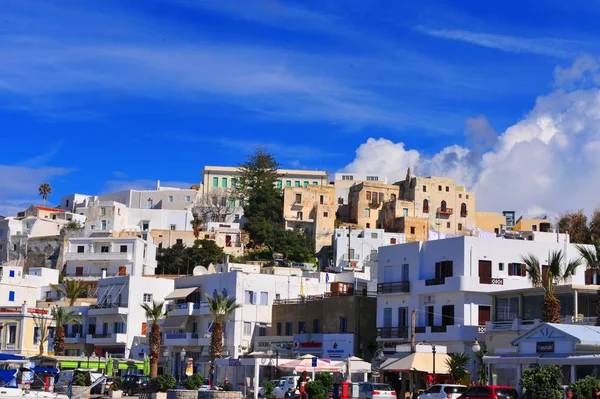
<point x="419" y="361"/>
<point x="304" y="363"/>
<point x="358" y="365"/>
<point x="109" y="365"/>
<point x="146" y="365"/>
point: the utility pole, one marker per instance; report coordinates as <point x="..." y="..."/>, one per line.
<point x="349" y="234"/>
<point x="413" y="349"/>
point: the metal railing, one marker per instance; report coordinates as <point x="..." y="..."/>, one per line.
<point x="394" y="286"/>
<point x="491" y="280"/>
<point x="392" y="332"/>
<point x="310" y="298"/>
<point x="435" y="281"/>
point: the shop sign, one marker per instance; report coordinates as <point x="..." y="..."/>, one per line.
<point x="544" y="347"/>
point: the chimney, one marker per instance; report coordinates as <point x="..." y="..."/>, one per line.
<point x="157" y="185"/>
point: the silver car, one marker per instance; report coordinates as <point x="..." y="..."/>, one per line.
<point x="373" y="390"/>
<point x="443" y="391"/>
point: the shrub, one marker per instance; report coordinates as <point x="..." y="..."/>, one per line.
<point x="327" y="380"/>
<point x="316" y="390"/>
<point x="163" y="383"/>
<point x="543" y="382"/>
<point x="583" y="388"/>
<point x="80" y="379"/>
<point x="269" y="388"/>
<point x="194" y="382"/>
<point x="116" y="384"/>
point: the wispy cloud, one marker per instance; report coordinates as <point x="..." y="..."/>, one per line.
<point x="551" y="47"/>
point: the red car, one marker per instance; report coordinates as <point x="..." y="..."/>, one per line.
<point x="490" y="392"/>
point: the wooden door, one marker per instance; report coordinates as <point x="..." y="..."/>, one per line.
<point x="485" y="272"/>
<point x="484" y="314"/>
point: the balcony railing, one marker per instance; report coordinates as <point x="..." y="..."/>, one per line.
<point x="463" y="214"/>
<point x="392" y="332"/>
<point x="435" y="281"/>
<point x="438" y="329"/>
<point x="108" y="305"/>
<point x="420" y="330"/>
<point x="445" y="211"/>
<point x="395" y="286"/>
<point x="311" y="298"/>
<point x="99" y="256"/>
<point x="491" y="280"/>
<point x="95" y="336"/>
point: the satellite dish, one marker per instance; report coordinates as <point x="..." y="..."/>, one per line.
<point x="199" y="271"/>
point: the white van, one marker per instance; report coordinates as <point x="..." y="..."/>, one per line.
<point x="285" y="383"/>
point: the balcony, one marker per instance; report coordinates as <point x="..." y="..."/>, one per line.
<point x="438" y="329"/>
<point x="449" y="332"/>
<point x="435" y="281"/>
<point x="445" y="211"/>
<point x="186" y="339"/>
<point x="491" y="280"/>
<point x="392" y="332"/>
<point x="108" y="309"/>
<point x="99" y="256"/>
<point x="73" y="338"/>
<point x="395" y="286"/>
<point x="519" y="325"/>
<point x="188" y="309"/>
<point x="99" y="339"/>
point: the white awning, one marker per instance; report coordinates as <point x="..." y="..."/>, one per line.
<point x="175" y="321"/>
<point x="419" y="361"/>
<point x="181" y="293"/>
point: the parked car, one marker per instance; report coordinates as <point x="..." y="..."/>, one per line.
<point x="373" y="390"/>
<point x="443" y="391"/>
<point x="134" y="384"/>
<point x="490" y="392"/>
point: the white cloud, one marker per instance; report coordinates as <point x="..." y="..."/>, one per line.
<point x="547" y="162"/>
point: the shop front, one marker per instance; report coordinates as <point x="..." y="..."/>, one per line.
<point x="575" y="348"/>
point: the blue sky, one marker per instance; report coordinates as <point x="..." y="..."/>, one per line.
<point x="98" y="96"/>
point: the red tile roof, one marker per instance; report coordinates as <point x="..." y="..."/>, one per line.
<point x="43" y="208"/>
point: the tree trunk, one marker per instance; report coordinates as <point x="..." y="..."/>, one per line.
<point x="41" y="348"/>
<point x="59" y="341"/>
<point x="216" y="340"/>
<point x="551" y="309"/>
<point x="154" y="349"/>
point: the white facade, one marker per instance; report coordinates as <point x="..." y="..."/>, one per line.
<point x="94" y="257"/>
<point x="118" y="319"/>
<point x="18" y="288"/>
<point x="356" y="250"/>
<point x="188" y="324"/>
<point x="448" y="283"/>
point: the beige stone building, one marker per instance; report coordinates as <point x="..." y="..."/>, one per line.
<point x="366" y="201"/>
<point x="312" y="208"/>
<point x="491" y="222"/>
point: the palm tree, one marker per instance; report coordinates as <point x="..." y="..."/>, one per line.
<point x="457" y="364"/>
<point x="154" y="312"/>
<point x="219" y="307"/>
<point x="196" y="226"/>
<point x="481" y="373"/>
<point x="61" y="317"/>
<point x="44" y="190"/>
<point x="549" y="278"/>
<point x="71" y="289"/>
<point x="592" y="258"/>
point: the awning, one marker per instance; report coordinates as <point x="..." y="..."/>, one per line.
<point x="181" y="293"/>
<point x="131" y="365"/>
<point x="175" y="321"/>
<point x="420" y="361"/>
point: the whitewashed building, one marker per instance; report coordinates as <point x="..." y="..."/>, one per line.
<point x="17" y="287"/>
<point x="90" y="258"/>
<point x="188" y="324"/>
<point x="449" y="284"/>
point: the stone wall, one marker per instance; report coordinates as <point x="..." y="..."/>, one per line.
<point x="220" y="395"/>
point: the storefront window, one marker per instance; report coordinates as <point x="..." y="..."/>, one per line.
<point x="507" y="309"/>
<point x="504" y="374"/>
<point x="587" y="304"/>
<point x="566" y="304"/>
<point x="584" y="371"/>
<point x="532" y="307"/>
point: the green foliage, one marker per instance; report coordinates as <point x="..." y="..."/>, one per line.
<point x="194" y="382"/>
<point x="576" y="224"/>
<point x="179" y="259"/>
<point x="481" y="373"/>
<point x="543" y="382"/>
<point x="73" y="225"/>
<point x="116" y="384"/>
<point x="163" y="383"/>
<point x="327" y="381"/>
<point x="457" y="364"/>
<point x="316" y="390"/>
<point x="269" y="388"/>
<point x="583" y="388"/>
<point x="295" y="245"/>
<point x="81" y="379"/>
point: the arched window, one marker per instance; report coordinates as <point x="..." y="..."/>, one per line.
<point x="425" y="206"/>
<point x="443" y="205"/>
<point x="463" y="210"/>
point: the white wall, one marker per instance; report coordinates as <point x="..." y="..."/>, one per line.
<point x="27" y="288"/>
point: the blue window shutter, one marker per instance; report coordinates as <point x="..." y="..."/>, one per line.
<point x="11" y="273"/>
<point x="11" y="296"/>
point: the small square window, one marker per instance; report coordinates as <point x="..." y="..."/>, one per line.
<point x="11" y="273"/>
<point x="439" y="188"/>
<point x="147" y="297"/>
<point x="298" y="198"/>
<point x="424" y="189"/>
<point x="170" y="198"/>
<point x="447" y="189"/>
<point x="460" y="227"/>
<point x="188" y="198"/>
<point x="173" y="227"/>
<point x="123" y="248"/>
<point x="448" y="224"/>
<point x="412" y="230"/>
<point x="325" y="214"/>
<point x="459" y="195"/>
<point x="467" y="196"/>
<point x="500" y="266"/>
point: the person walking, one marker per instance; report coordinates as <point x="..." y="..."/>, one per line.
<point x="302" y="381"/>
<point x="289" y="394"/>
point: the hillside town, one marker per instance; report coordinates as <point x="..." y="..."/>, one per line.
<point x="256" y="269"/>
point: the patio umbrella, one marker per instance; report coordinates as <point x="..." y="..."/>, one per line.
<point x="304" y="363"/>
<point x="146" y="365"/>
<point x="109" y="365"/>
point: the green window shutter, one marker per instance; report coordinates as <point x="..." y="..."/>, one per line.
<point x="288" y="183"/>
<point x="296" y="183"/>
<point x="305" y="184"/>
<point x="315" y="183"/>
<point x="224" y="182"/>
<point x="278" y="184"/>
<point x="215" y="182"/>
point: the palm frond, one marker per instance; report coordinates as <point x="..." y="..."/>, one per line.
<point x="155" y="311"/>
<point x="591" y="256"/>
<point x="532" y="265"/>
<point x="63" y="316"/>
<point x="220" y="306"/>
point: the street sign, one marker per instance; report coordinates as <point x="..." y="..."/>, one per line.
<point x="314" y="362"/>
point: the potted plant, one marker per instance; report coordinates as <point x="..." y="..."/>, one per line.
<point x="161" y="384"/>
<point x="115" y="388"/>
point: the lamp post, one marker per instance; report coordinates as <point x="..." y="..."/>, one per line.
<point x="476" y="348"/>
<point x="182" y="354"/>
<point x="166" y="354"/>
<point x="433" y="353"/>
<point x="273" y="350"/>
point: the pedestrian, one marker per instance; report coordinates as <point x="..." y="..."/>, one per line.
<point x="569" y="394"/>
<point x="227" y="385"/>
<point x="302" y="381"/>
<point x="289" y="394"/>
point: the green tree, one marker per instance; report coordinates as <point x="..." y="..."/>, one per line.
<point x="44" y="190"/>
<point x="315" y="390"/>
<point x="457" y="364"/>
<point x="548" y="279"/>
<point x="575" y="223"/>
<point x="194" y="382"/>
<point x="169" y="260"/>
<point x="583" y="388"/>
<point x="219" y="307"/>
<point x="263" y="202"/>
<point x="594" y="224"/>
<point x="71" y="289"/>
<point x="154" y="312"/>
<point x="591" y="256"/>
<point x="296" y="245"/>
<point x="269" y="388"/>
<point x="482" y="369"/>
<point x="61" y="317"/>
<point x="544" y="382"/>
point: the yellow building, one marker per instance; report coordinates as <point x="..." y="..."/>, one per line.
<point x="491" y="222"/>
<point x="21" y="329"/>
<point x="312" y="208"/>
<point x="542" y="225"/>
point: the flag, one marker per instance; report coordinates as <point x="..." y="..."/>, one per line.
<point x="327" y="277"/>
<point x="301" y="287"/>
